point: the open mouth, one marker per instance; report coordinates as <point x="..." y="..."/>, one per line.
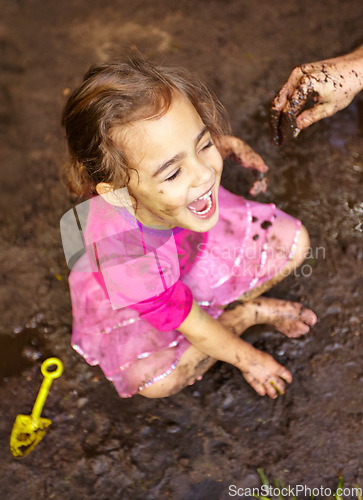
<point x="204" y="206"/>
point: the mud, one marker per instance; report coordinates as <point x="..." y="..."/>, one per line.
<point x="217" y="432"/>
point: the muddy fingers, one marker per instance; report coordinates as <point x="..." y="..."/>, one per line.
<point x="329" y="85"/>
<point x="265" y="375"/>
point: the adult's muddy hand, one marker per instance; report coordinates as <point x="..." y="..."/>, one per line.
<point x="243" y="154"/>
<point x="315" y="91"/>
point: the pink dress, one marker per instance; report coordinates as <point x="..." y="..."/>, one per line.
<point x="137" y="343"/>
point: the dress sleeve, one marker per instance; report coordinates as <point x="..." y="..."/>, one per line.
<point x="141" y="271"/>
<point x="168" y="310"/>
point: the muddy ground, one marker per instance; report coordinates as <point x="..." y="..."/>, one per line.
<point x="218" y="432"/>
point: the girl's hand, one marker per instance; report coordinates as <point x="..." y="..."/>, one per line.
<point x="329" y="85"/>
<point x="263" y="373"/>
<point x="246" y="157"/>
<point x="212" y="338"/>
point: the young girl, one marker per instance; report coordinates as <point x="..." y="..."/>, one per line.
<point x="153" y="136"/>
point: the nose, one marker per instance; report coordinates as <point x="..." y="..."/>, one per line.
<point x="201" y="173"/>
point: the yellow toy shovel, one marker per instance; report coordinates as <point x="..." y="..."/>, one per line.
<point x="28" y="430"/>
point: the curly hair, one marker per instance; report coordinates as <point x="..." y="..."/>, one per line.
<point x="116" y="94"/>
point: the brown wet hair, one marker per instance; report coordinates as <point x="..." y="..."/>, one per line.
<point x="116" y="94"/>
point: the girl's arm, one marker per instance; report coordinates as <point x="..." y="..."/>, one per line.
<point x="233" y="147"/>
<point x="209" y="336"/>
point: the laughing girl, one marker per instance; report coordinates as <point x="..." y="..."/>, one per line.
<point x="167" y="248"/>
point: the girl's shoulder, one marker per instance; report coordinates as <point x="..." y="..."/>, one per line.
<point x="228" y="200"/>
<point x="105" y="220"/>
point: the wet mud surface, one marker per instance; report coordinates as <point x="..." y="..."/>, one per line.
<point x="217" y="432"/>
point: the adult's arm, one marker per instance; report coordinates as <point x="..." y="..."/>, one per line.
<point x="330" y="85"/>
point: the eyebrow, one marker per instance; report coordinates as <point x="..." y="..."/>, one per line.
<point x="179" y="156"/>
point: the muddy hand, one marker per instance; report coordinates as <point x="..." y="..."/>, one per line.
<point x="240" y="151"/>
<point x="315" y="91"/>
<point x="265" y="375"/>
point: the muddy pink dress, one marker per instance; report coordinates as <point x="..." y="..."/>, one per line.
<point x="137" y="343"/>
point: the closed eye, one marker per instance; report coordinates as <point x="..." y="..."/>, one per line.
<point x="174" y="176"/>
<point x="208" y="145"/>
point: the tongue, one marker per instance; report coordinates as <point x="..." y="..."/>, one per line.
<point x="198" y="205"/>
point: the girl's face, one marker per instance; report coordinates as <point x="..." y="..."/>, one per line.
<point x="178" y="169"/>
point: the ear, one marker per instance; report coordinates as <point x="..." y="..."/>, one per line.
<point x="103" y="188"/>
<point x="117" y="197"/>
<point x="107" y="191"/>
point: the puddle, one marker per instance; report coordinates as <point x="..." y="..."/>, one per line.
<point x="18" y="352"/>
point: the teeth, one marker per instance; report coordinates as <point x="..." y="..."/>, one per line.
<point x="204" y="197"/>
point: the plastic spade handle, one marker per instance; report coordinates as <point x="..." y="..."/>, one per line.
<point x="47" y="382"/>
